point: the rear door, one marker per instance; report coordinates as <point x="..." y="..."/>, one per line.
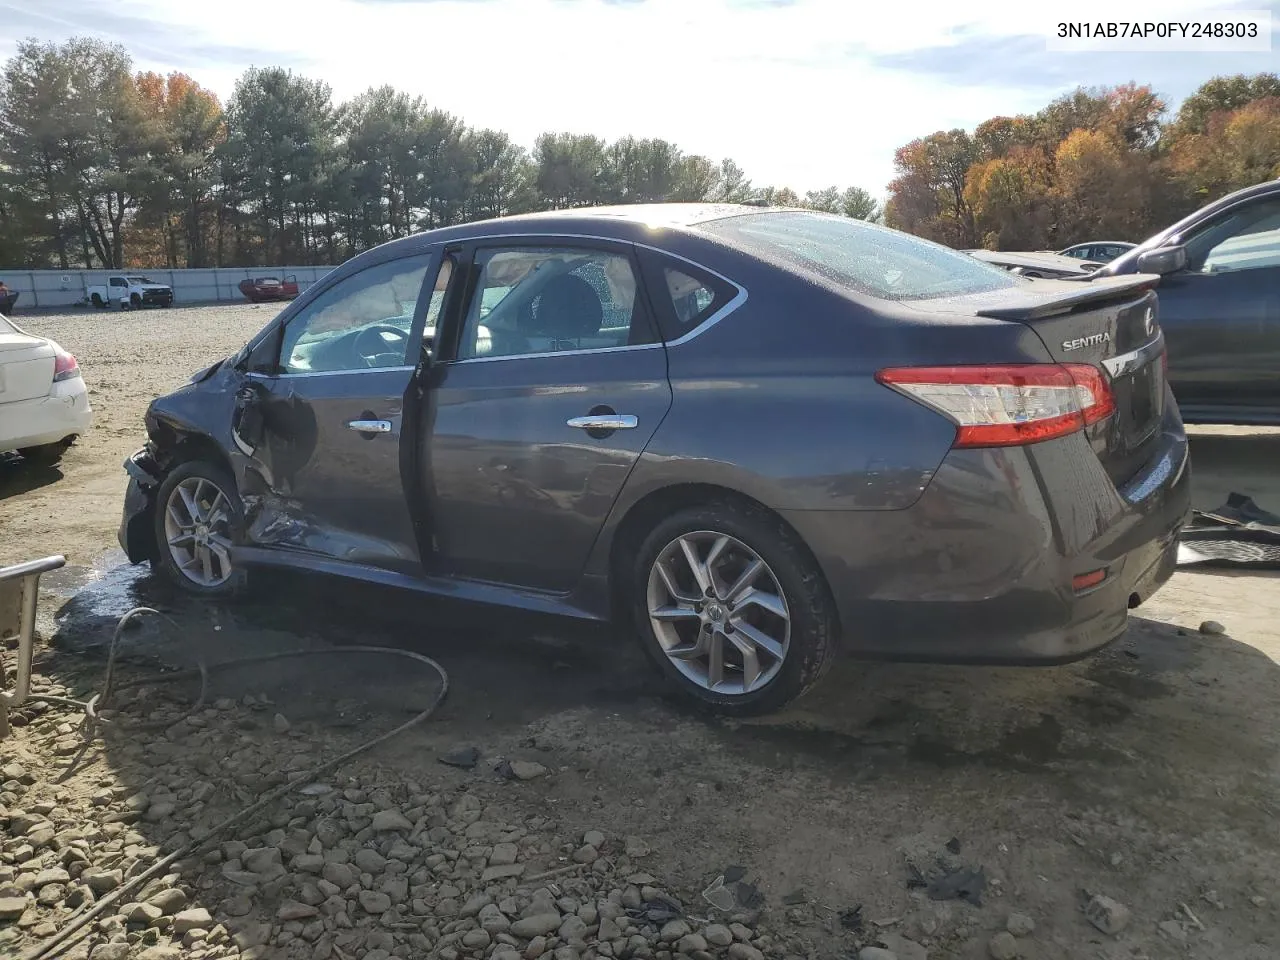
<point x="1222" y="313"/>
<point x="325" y="428"/>
<point x="549" y="384"/>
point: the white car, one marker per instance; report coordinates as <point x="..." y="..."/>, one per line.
<point x="43" y="401"/>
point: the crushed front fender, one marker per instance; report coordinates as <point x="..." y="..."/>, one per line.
<point x="137" y="524"/>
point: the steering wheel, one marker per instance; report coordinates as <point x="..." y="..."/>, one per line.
<point x="371" y="342"/>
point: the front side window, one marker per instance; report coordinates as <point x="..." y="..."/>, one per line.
<point x="118" y="282"/>
<point x="861" y="256"/>
<point x="1245" y="239"/>
<point x="536" y="300"/>
<point x="362" y="322"/>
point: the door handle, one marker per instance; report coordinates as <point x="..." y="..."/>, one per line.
<point x="369" y="426"/>
<point x="608" y="421"/>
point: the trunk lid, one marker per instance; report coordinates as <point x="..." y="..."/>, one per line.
<point x="1110" y="323"/>
<point x="26" y="365"/>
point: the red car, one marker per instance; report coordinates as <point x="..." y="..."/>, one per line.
<point x="262" y="289"/>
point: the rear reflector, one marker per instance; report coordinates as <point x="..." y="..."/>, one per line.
<point x="1086" y="580"/>
<point x="1010" y="404"/>
<point x="64" y="367"/>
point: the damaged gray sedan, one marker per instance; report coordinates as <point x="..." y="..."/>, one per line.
<point x="759" y="437"/>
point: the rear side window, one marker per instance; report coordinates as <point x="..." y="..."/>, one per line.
<point x="685" y="296"/>
<point x="866" y="258"/>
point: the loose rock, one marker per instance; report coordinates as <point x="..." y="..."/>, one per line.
<point x="527" y="770"/>
<point x="197" y="918"/>
<point x="1109" y="916"/>
<point x="169" y="901"/>
<point x="717" y="934"/>
<point x="11" y="908"/>
<point x="1213" y="628"/>
<point x="1003" y="946"/>
<point x="102" y="881"/>
<point x="385" y="820"/>
<point x="536" y="926"/>
<point x="1020" y="925"/>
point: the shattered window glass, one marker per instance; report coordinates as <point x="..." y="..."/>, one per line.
<point x="866" y="258"/>
<point x="548" y="300"/>
<point x="362" y="322"/>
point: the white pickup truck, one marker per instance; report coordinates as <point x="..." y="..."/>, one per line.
<point x="129" y="292"/>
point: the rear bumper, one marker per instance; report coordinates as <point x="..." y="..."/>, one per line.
<point x="64" y="413"/>
<point x="979" y="569"/>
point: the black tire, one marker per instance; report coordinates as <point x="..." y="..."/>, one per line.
<point x="98" y="302"/>
<point x="47" y="454"/>
<point x="814" y="623"/>
<point x="214" y="473"/>
<point x="135" y="301"/>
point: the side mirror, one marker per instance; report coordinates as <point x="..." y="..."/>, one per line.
<point x="1163" y="260"/>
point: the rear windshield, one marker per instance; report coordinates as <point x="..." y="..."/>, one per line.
<point x="873" y="260"/>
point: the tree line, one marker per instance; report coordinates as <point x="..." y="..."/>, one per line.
<point x="1095" y="164"/>
<point x="102" y="167"/>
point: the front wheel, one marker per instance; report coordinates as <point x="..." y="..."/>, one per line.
<point x="733" y="609"/>
<point x="197" y="520"/>
<point x="135" y="301"/>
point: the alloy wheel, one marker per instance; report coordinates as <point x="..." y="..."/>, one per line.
<point x="197" y="522"/>
<point x="718" y="612"/>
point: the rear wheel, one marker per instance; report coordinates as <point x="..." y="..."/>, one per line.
<point x="198" y="518"/>
<point x="98" y="301"/>
<point x="733" y="609"/>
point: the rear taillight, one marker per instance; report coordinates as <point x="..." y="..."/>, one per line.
<point x="64" y="367"/>
<point x="1007" y="405"/>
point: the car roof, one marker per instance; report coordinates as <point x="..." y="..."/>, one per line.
<point x="623" y="222"/>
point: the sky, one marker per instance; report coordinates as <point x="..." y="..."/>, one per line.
<point x="800" y="93"/>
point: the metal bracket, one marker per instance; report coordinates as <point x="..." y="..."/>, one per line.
<point x="19" y="590"/>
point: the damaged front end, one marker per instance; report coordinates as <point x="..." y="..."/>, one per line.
<point x="181" y="425"/>
<point x="137" y="525"/>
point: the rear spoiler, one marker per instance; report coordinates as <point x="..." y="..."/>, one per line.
<point x="1088" y="292"/>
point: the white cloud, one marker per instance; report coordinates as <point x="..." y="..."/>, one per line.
<point x="791" y="91"/>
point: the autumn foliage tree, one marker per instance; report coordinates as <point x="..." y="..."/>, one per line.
<point x="1093" y="164"/>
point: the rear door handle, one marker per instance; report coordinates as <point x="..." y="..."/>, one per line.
<point x="608" y="421"/>
<point x="369" y="426"/>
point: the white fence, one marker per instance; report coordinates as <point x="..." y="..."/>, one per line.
<point x="64" y="288"/>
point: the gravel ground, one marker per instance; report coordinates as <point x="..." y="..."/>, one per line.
<point x="1121" y="807"/>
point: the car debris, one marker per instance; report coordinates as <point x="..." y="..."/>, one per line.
<point x="463" y="757"/>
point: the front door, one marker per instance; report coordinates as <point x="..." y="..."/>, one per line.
<point x="325" y="428"/>
<point x="548" y="390"/>
<point x="1221" y="315"/>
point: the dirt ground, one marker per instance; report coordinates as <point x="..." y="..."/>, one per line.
<point x="1149" y="773"/>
